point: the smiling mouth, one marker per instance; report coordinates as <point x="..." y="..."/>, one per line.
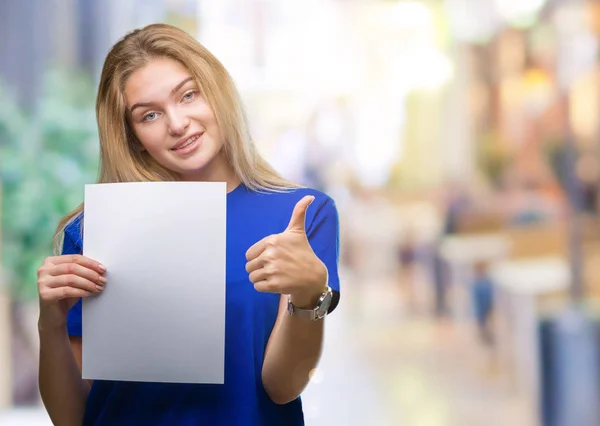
<point x="187" y="143"/>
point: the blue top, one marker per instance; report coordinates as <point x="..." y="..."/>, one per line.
<point x="249" y="319"/>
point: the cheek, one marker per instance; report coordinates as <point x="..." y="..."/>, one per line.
<point x="149" y="137"/>
<point x="213" y="127"/>
<point x="207" y="120"/>
<point x="205" y="114"/>
<point x="218" y="137"/>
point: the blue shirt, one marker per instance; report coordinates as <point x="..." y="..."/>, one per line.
<point x="249" y="319"/>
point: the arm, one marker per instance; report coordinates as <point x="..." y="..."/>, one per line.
<point x="63" y="391"/>
<point x="62" y="281"/>
<point x="293" y="351"/>
<point x="286" y="264"/>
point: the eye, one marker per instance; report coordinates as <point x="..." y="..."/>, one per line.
<point x="151" y="116"/>
<point x="189" y="95"/>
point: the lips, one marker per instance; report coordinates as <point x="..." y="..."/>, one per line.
<point x="184" y="143"/>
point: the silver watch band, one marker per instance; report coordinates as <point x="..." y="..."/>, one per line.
<point x="316" y="313"/>
<point x="309" y="314"/>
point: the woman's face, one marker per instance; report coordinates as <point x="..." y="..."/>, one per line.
<point x="174" y="123"/>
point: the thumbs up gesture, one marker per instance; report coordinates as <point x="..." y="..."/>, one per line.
<point x="286" y="264"/>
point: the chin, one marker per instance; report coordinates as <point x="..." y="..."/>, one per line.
<point x="193" y="167"/>
<point x="193" y="172"/>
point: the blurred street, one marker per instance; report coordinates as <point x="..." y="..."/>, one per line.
<point x="459" y="140"/>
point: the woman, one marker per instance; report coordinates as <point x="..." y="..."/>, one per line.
<point x="168" y="110"/>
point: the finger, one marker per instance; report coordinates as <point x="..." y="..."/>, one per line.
<point x="258" y="275"/>
<point x="80" y="260"/>
<point x="258" y="248"/>
<point x="75" y="269"/>
<point x="255" y="264"/>
<point x="265" y="286"/>
<point x="298" y="219"/>
<point x="60" y="293"/>
<point x="74" y="281"/>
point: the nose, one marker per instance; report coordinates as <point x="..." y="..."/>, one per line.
<point x="178" y="122"/>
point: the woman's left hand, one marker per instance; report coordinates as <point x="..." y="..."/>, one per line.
<point x="286" y="264"/>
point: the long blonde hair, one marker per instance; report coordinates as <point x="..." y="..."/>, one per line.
<point x="120" y="158"/>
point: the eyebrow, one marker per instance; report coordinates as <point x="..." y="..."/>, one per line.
<point x="147" y="104"/>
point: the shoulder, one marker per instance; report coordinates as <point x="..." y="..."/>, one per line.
<point x="322" y="206"/>
<point x="291" y="196"/>
<point x="274" y="207"/>
<point x="285" y="200"/>
<point x="74" y="230"/>
<point x="321" y="216"/>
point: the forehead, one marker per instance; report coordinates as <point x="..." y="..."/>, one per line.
<point x="154" y="81"/>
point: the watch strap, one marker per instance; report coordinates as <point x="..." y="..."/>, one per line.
<point x="309" y="314"/>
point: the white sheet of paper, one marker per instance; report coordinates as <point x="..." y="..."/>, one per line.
<point x="161" y="316"/>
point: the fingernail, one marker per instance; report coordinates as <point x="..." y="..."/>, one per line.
<point x="102" y="267"/>
<point x="102" y="280"/>
<point x="99" y="288"/>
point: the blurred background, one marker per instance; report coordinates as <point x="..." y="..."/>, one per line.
<point x="460" y="140"/>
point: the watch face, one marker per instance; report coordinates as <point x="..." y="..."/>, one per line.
<point x="324" y="304"/>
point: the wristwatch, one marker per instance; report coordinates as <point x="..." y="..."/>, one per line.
<point x="316" y="313"/>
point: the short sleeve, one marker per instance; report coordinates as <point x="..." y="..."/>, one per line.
<point x="72" y="245"/>
<point x="323" y="234"/>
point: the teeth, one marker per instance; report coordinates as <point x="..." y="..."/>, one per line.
<point x="189" y="142"/>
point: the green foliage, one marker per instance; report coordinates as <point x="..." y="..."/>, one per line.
<point x="46" y="157"/>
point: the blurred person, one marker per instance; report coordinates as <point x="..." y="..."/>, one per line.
<point x="588" y="174"/>
<point x="455" y="203"/>
<point x="482" y="298"/>
<point x="168" y="110"/>
<point x="407" y="259"/>
<point x="440" y="281"/>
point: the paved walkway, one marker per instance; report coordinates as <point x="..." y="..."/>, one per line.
<point x="383" y="366"/>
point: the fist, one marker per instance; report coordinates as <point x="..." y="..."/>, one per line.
<point x="285" y="263"/>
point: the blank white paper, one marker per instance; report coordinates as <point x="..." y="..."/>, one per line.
<point x="161" y="316"/>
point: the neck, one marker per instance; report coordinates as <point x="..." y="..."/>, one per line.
<point x="218" y="171"/>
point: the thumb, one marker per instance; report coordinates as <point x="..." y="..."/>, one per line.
<point x="298" y="219"/>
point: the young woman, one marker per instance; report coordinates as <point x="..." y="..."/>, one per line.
<point x="168" y="110"/>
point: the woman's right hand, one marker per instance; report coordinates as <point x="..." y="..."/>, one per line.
<point x="62" y="280"/>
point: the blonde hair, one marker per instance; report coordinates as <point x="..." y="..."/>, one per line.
<point x="121" y="160"/>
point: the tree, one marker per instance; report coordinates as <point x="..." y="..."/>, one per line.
<point x="46" y="156"/>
